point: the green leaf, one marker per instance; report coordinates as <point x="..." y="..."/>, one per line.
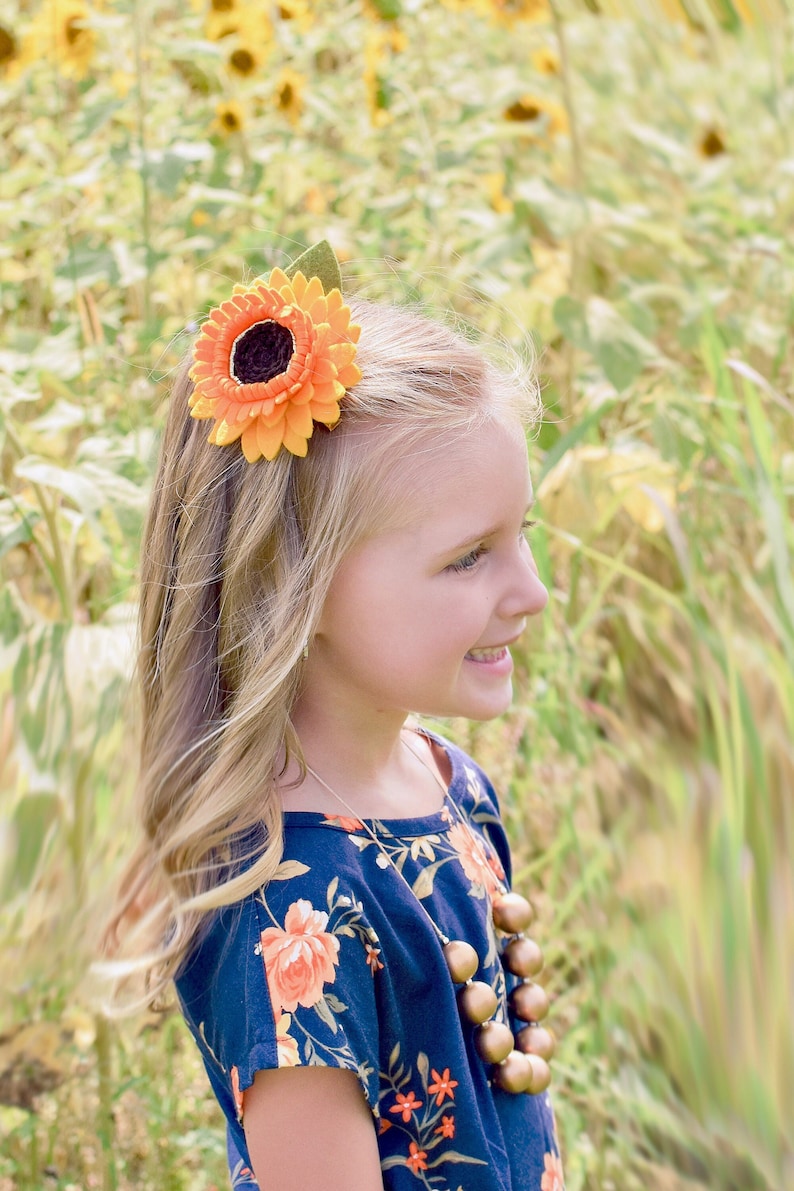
<point x="454" y="1156"/>
<point x="423" y="885"/>
<point x="318" y="261"/>
<point x="289" y="869"/>
<point x="389" y="10"/>
<point x="32" y="821"/>
<point x="571" y="318"/>
<point x="324" y="1013"/>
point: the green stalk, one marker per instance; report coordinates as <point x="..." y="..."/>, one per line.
<point x="146" y="206"/>
<point x="55" y="563"/>
<point x="103" y="1048"/>
<point x="579" y="238"/>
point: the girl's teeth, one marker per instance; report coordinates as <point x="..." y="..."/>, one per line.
<point x="486" y="655"/>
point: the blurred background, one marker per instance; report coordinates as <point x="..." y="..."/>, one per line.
<point x="610" y="190"/>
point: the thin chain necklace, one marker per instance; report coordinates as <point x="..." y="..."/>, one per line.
<point x="520" y="1063"/>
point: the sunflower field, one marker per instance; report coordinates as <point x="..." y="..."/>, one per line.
<point x="608" y="192"/>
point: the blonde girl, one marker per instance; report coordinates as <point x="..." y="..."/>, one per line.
<point x="327" y="882"/>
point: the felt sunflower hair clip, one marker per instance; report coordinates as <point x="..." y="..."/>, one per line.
<point x="276" y="357"/>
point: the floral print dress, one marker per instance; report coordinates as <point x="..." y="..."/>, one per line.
<point x="335" y="963"/>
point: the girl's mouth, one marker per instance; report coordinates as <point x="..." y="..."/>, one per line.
<point x="487" y="655"/>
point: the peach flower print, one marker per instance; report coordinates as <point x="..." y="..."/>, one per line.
<point x="473" y="856"/>
<point x="552" y="1174"/>
<point x="299" y="959"/>
<point x="286" y="1046"/>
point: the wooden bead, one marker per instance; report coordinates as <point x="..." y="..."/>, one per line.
<point x="477" y="1001"/>
<point x="493" y="1041"/>
<point x="536" y="1040"/>
<point x="529" y="1001"/>
<point x="512" y="913"/>
<point x="541" y="1075"/>
<point x="523" y="957"/>
<point x="514" y="1074"/>
<point x="462" y="960"/>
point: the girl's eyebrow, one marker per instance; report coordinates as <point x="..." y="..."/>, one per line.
<point x="489" y="533"/>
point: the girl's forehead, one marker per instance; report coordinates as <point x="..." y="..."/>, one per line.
<point x="479" y="475"/>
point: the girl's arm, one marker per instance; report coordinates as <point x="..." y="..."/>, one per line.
<point x="310" y="1127"/>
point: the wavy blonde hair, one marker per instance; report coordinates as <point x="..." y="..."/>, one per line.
<point x="236" y="563"/>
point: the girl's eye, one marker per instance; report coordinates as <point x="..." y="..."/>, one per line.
<point x="470" y="560"/>
<point x="527" y="525"/>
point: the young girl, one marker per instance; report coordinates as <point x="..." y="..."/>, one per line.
<point x="327" y="882"/>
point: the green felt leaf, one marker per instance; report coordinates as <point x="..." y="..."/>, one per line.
<point x="318" y="261"/>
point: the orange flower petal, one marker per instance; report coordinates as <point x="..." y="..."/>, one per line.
<point x="305" y="395"/>
<point x="318" y="311"/>
<point x="270" y="438"/>
<point x="342" y="354"/>
<point x="299" y="285"/>
<point x="299" y="419"/>
<point x="250" y="442"/>
<point x="349" y="376"/>
<point x="314" y="290"/>
<point x="297" y="444"/>
<point x="327" y="414"/>
<point x="222" y="434"/>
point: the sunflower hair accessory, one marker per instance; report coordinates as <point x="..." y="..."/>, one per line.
<point x="276" y="357"/>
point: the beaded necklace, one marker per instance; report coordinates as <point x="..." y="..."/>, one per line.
<point x="518" y="1063"/>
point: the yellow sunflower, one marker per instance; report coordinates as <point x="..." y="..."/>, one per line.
<point x="545" y="61"/>
<point x="8" y="46"/>
<point x="289" y="94"/>
<point x="222" y="19"/>
<point x="538" y="113"/>
<point x="271" y="361"/>
<point x="61" y="32"/>
<point x="229" y="117"/>
<point x="295" y="10"/>
<point x="244" y="61"/>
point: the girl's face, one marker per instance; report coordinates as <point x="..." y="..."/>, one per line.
<point x="420" y="618"/>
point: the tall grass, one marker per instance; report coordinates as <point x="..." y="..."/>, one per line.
<point x="638" y="225"/>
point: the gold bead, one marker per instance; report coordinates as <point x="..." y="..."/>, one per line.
<point x="512" y="913"/>
<point x="523" y="957"/>
<point x="514" y="1074"/>
<point x="477" y="1001"/>
<point x="541" y="1075"/>
<point x="493" y="1041"/>
<point x="462" y="960"/>
<point x="529" y="1001"/>
<point x="536" y="1040"/>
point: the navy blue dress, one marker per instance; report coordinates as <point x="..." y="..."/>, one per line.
<point x="335" y="963"/>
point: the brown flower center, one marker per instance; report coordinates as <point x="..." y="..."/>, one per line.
<point x="261" y="352"/>
<point x="8" y="46"/>
<point x="242" y="61"/>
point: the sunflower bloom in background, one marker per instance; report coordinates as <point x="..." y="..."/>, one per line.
<point x="271" y="361"/>
<point x="222" y="19"/>
<point x="288" y="94"/>
<point x="229" y="117"/>
<point x="295" y="10"/>
<point x="540" y="116"/>
<point x="545" y="60"/>
<point x="8" y="47"/>
<point x="62" y="33"/>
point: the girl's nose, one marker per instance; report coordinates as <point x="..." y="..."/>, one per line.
<point x="528" y="594"/>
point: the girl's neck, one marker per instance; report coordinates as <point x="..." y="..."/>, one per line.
<point x="371" y="768"/>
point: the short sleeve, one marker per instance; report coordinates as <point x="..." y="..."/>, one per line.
<point x="319" y="955"/>
<point x="284" y="979"/>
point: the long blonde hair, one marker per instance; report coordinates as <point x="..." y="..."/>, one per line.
<point x="236" y="563"/>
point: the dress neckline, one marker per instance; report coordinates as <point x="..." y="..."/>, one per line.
<point x="435" y="822"/>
